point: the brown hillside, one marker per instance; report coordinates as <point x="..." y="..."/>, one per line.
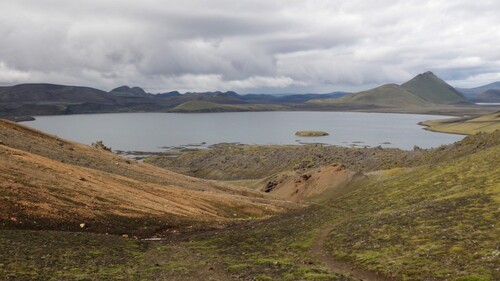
<point x="308" y="185"/>
<point x="50" y="183"/>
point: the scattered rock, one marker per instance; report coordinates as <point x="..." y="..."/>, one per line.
<point x="340" y="167"/>
<point x="270" y="186"/>
<point x="100" y="145"/>
<point x="82" y="225"/>
<point x="305" y="177"/>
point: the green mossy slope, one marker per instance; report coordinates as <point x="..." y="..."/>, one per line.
<point x="439" y="222"/>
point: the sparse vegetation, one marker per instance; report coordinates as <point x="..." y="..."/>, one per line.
<point x="207" y="106"/>
<point x="433" y="215"/>
<point x="486" y="123"/>
<point x="244" y="162"/>
<point x="436" y="222"/>
<point x="63" y="185"/>
<point x="233" y="162"/>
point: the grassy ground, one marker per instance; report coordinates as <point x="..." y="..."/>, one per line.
<point x="206" y="106"/>
<point x="439" y="222"/>
<point x="486" y="123"/>
<point x="275" y="249"/>
<point x="44" y="255"/>
<point x="85" y="256"/>
<point x="435" y="222"/>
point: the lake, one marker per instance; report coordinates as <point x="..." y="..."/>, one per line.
<point x="164" y="131"/>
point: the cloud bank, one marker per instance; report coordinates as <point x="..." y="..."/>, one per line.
<point x="248" y="46"/>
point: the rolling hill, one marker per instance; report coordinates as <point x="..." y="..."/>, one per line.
<point x="472" y="93"/>
<point x="128" y="91"/>
<point x="50" y="183"/>
<point x="51" y="94"/>
<point x="435" y="220"/>
<point x="422" y="91"/>
<point x="50" y="99"/>
<point x="489" y="96"/>
<point x="467" y="126"/>
<point x="386" y="95"/>
<point x="194" y="106"/>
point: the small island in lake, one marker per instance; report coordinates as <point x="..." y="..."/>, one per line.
<point x="311" y="133"/>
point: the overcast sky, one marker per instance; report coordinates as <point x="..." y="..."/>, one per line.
<point x="248" y="46"/>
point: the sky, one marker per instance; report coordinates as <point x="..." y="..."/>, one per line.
<point x="257" y="46"/>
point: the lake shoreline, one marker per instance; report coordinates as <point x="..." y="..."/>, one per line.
<point x="163" y="132"/>
<point x="458" y="111"/>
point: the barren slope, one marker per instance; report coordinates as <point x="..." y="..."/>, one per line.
<point x="309" y="184"/>
<point x="56" y="184"/>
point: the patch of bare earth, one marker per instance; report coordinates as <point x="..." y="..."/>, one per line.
<point x="308" y="184"/>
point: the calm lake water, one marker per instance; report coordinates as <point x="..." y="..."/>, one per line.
<point x="162" y="131"/>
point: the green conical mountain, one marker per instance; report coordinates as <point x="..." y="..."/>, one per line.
<point x="425" y="89"/>
<point x="385" y="95"/>
<point x="433" y="90"/>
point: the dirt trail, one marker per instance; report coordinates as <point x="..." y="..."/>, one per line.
<point x="319" y="252"/>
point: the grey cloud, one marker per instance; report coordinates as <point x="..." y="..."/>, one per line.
<point x="248" y="46"/>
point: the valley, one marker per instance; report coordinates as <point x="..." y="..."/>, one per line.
<point x="249" y="140"/>
<point x="231" y="211"/>
<point x="309" y="212"/>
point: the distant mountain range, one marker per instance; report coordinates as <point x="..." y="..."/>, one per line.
<point x="489" y="96"/>
<point x="49" y="93"/>
<point x="422" y="91"/>
<point x="127" y="91"/>
<point x="486" y="93"/>
<point x="50" y="99"/>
